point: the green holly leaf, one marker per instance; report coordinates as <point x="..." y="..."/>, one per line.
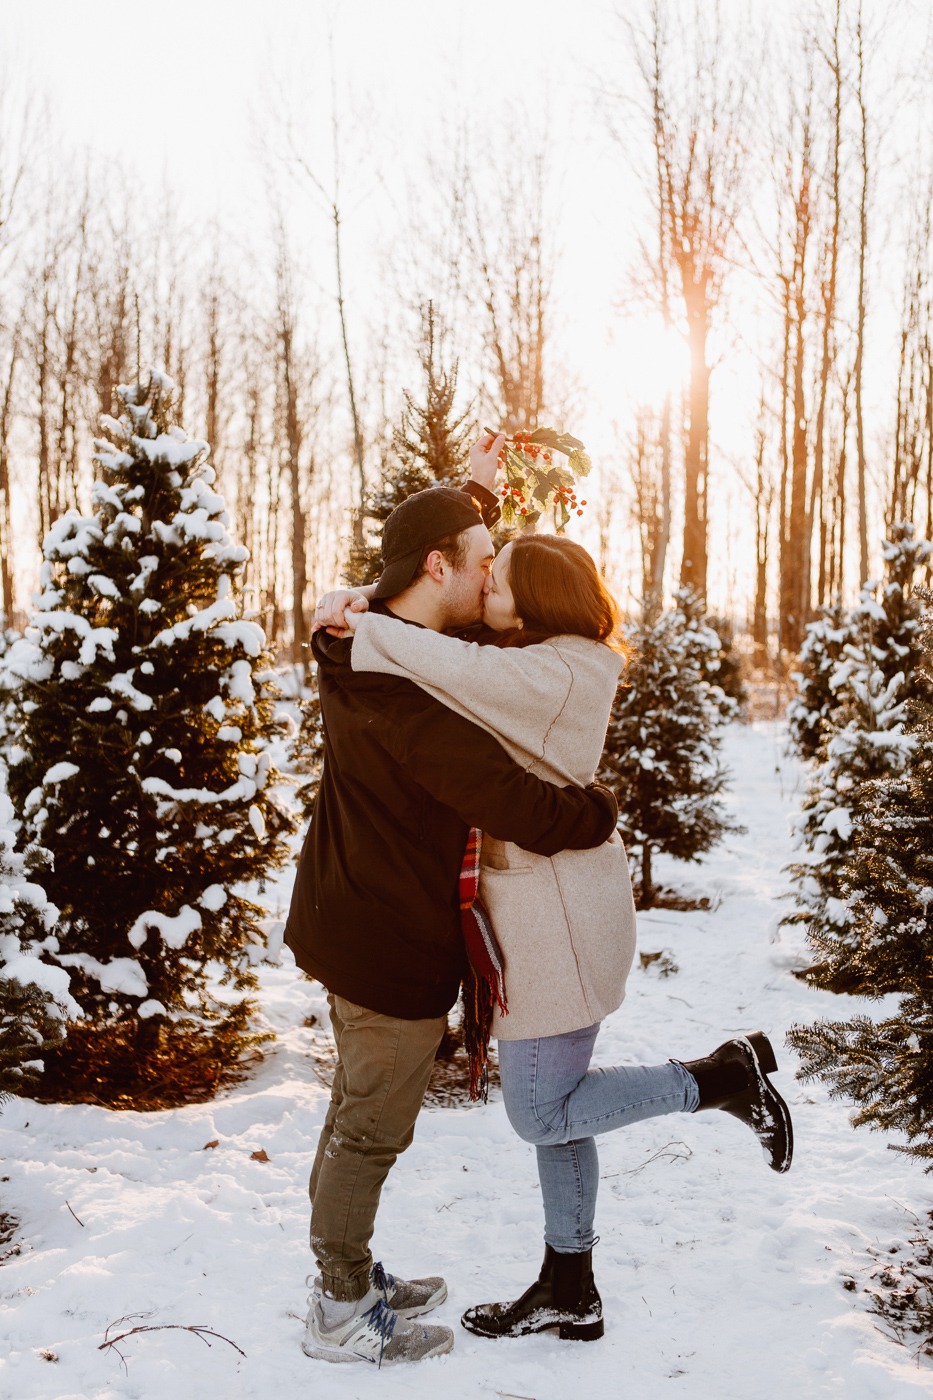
<point x="559" y="442"/>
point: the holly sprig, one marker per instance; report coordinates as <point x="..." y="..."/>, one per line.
<point x="536" y="480"/>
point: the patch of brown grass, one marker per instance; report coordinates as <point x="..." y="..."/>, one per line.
<point x="128" y="1065"/>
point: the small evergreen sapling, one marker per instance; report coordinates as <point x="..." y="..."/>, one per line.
<point x="143" y="713"/>
<point x="728" y="674"/>
<point x="429" y="446"/>
<point x="662" y="756"/>
<point x="870" y="744"/>
<point x="711" y="644"/>
<point x="809" y="713"/>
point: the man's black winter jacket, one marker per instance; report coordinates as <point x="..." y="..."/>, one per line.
<point x="375" y="910"/>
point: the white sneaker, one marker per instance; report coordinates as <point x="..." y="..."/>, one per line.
<point x="377" y="1335"/>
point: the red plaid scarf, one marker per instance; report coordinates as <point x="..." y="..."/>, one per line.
<point x="484" y="983"/>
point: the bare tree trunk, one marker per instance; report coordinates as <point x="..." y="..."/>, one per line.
<point x="647" y="892"/>
<point x="664" y="270"/>
<point x="693" y="569"/>
<point x="928" y="419"/>
<point x="67" y="453"/>
<point x="797" y="551"/>
<point x="785" y="599"/>
<point x="795" y="587"/>
<point x="358" y="451"/>
<point x="828" y="350"/>
<point x="646" y="465"/>
<point x="248" y="480"/>
<point x="213" y="417"/>
<point x="290" y="430"/>
<point x="44" y="484"/>
<point x="862" y="293"/>
<point x="913" y="423"/>
<point x="6" y="504"/>
<point x="837" y="569"/>
<point x="764" y="496"/>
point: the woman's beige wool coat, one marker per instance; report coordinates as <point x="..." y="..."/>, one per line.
<point x="566" y="923"/>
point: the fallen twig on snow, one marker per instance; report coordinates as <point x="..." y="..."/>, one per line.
<point x="662" y="1152"/>
<point x="202" y="1332"/>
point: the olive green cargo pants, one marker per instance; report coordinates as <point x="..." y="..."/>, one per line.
<point x="383" y="1068"/>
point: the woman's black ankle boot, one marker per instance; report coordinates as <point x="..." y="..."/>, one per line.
<point x="735" y="1079"/>
<point x="563" y="1296"/>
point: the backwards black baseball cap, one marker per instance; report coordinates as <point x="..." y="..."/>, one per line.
<point x="420" y="520"/>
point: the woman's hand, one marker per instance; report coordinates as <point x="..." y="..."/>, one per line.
<point x="484" y="459"/>
<point x="331" y="611"/>
<point x="352" y="616"/>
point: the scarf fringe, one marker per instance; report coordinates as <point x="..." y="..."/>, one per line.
<point x="484" y="982"/>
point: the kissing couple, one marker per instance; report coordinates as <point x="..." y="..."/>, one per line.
<point x="458" y="838"/>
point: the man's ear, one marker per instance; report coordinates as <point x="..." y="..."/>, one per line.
<point x="435" y="566"/>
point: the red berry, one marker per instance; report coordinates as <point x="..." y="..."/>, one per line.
<point x="579" y="512"/>
<point x="524" y="511"/>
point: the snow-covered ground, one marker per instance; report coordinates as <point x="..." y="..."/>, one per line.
<point x="720" y="1280"/>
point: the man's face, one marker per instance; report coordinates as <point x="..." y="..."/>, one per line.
<point x="463" y="587"/>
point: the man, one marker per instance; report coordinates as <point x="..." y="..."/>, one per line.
<point x="375" y="911"/>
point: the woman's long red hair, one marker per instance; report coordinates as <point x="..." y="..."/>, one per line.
<point x="558" y="590"/>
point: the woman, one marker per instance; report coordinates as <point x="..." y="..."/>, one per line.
<point x="566" y="924"/>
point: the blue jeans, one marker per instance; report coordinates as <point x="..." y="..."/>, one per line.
<point x="554" y="1100"/>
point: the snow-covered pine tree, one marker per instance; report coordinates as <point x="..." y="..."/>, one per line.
<point x="885" y="1066"/>
<point x="869" y="743"/>
<point x="143" y="712"/>
<point x="662" y="754"/>
<point x="729" y="673"/>
<point x="858" y="726"/>
<point x="429" y="445"/>
<point x="717" y="662"/>
<point x="34" y="997"/>
<point x="307" y="747"/>
<point x="883" y="624"/>
<point x="810" y="711"/>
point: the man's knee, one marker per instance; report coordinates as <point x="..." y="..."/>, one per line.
<point x="359" y="1138"/>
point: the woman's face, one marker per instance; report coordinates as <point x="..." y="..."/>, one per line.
<point x="498" y="604"/>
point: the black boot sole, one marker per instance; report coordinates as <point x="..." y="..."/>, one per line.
<point x="566" y="1331"/>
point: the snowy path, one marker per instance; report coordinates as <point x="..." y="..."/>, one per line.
<point x="720" y="1280"/>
